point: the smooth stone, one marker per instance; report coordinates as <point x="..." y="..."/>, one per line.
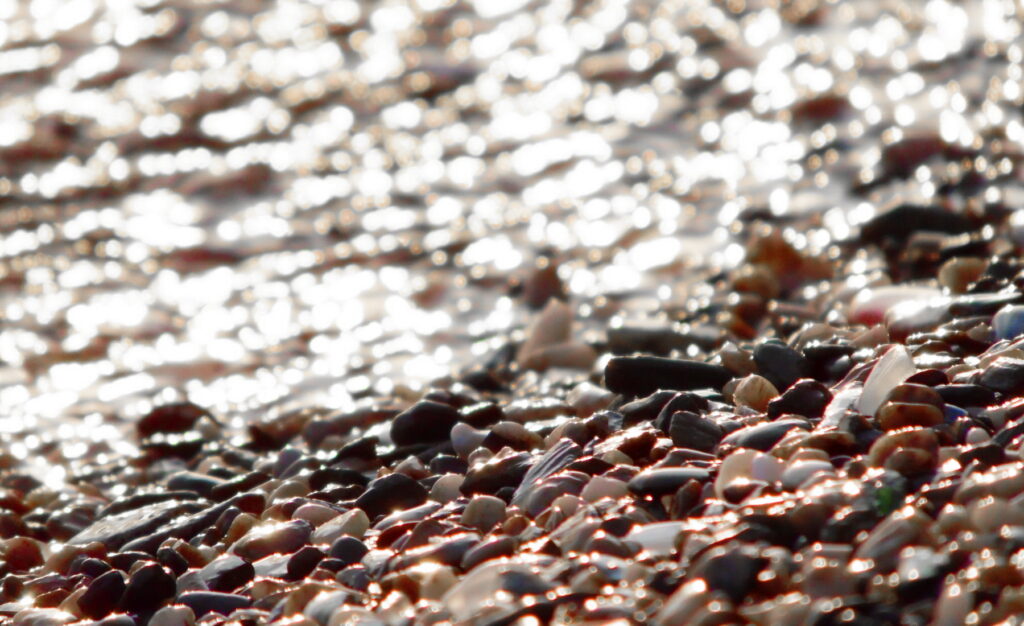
<point x="489" y="548"/>
<point x="465" y="439"/>
<point x="916" y="438"/>
<point x="870" y="305"/>
<point x="666" y="480"/>
<point x="754" y="392"/>
<point x="977" y="304"/>
<point x="641" y="376"/>
<point x="116" y="530"/>
<point x="731" y="570"/>
<point x="689" y="430"/>
<point x="391" y="492"/>
<point x="649" y="338"/>
<point x="203" y="602"/>
<point x="780" y="364"/>
<point x="914" y="393"/>
<point x="227" y="573"/>
<point x="567" y="355"/>
<point x="173" y="616"/>
<point x="148" y="587"/>
<point x="1005" y="375"/>
<point x="497" y="473"/>
<point x="764" y="435"/>
<point x="191" y="525"/>
<point x="193" y="481"/>
<point x="447" y="488"/>
<point x="680" y="401"/>
<point x="657" y="539"/>
<point x="484" y="513"/>
<point x="348" y="549"/>
<point x="600" y="487"/>
<point x="958" y="273"/>
<point x="805" y="397"/>
<point x="746" y="465"/>
<point x="322" y="607"/>
<point x="315" y="514"/>
<point x="896" y="415"/>
<point x="797" y="473"/>
<point x="1008" y="322"/>
<point x="102" y="595"/>
<point x="264" y="540"/>
<point x="423" y="422"/>
<point x="891" y="369"/>
<point x="354" y="523"/>
<point x="42" y="617"/>
<point x="966" y="395"/>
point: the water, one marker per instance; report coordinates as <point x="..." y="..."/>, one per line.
<point x="262" y="206"/>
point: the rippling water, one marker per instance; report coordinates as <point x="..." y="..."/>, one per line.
<point x="260" y="206"/>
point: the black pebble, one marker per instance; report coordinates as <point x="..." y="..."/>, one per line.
<point x="203" y="602"/>
<point x="347" y="549"/>
<point x="780" y="364"/>
<point x="148" y="588"/>
<point x="805" y="397"/>
<point x="103" y="594"/>
<point x="643" y="375"/>
<point x="391" y="492"/>
<point x="423" y="422"/>
<point x="227" y="573"/>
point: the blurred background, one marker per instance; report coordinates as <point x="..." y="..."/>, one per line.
<point x="260" y="206"/>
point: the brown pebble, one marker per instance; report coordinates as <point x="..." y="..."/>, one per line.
<point x="896" y="415"/>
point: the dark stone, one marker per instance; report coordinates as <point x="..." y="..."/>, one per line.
<point x="966" y="395"/>
<point x="643" y="375"/>
<point x="648" y="340"/>
<point x="899" y="223"/>
<point x="387" y="493"/>
<point x="170" y="418"/>
<point x="1006" y="375"/>
<point x="1009" y="432"/>
<point x="335" y="476"/>
<point x="988" y="455"/>
<point x="227" y="573"/>
<point x="116" y="530"/>
<point x="732" y="570"/>
<point x="149" y="587"/>
<point x="491" y="548"/>
<point x="481" y="414"/>
<point x="557" y="458"/>
<point x="497" y="473"/>
<point x="780" y="364"/>
<point x="125" y="560"/>
<point x="355" y="577"/>
<point x="645" y="409"/>
<point x="190" y="525"/>
<point x="805" y="397"/>
<point x="348" y="549"/>
<point x="284" y="538"/>
<point x="447" y="464"/>
<point x="763" y="436"/>
<point x="192" y="481"/>
<point x="172" y="560"/>
<point x="929" y="377"/>
<point x="238" y="484"/>
<point x="983" y="303"/>
<point x="139" y="500"/>
<point x="89" y="566"/>
<point x="424" y="421"/>
<point x="682" y="401"/>
<point x="203" y="602"/>
<point x="666" y="480"/>
<point x="689" y="430"/>
<point x="303" y="562"/>
<point x="103" y="595"/>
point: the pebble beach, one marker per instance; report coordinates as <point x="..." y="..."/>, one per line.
<point x="511" y="312"/>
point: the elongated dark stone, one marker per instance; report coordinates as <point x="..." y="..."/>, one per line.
<point x="103" y="594"/>
<point x="203" y="602"/>
<point x="389" y="493"/>
<point x="643" y="375"/>
<point x="666" y="480"/>
<point x="188" y="527"/>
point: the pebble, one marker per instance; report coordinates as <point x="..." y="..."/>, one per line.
<point x="805" y="397"/>
<point x="203" y="602"/>
<point x="599" y="487"/>
<point x="1005" y="375"/>
<point x="780" y="364"/>
<point x="148" y="587"/>
<point x="755" y="392"/>
<point x="227" y="573"/>
<point x="484" y="513"/>
<point x="424" y="421"/>
<point x="173" y="616"/>
<point x="391" y="492"/>
<point x="1008" y="322"/>
<point x="641" y="376"/>
<point x="285" y="537"/>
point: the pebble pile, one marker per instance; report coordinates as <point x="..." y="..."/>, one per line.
<point x="817" y="418"/>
